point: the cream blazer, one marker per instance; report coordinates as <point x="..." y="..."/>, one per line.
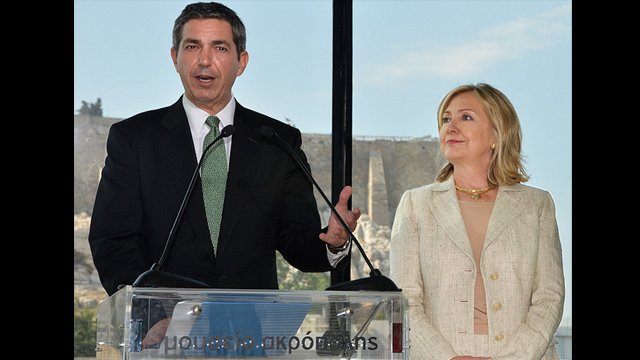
<point x="521" y="265"/>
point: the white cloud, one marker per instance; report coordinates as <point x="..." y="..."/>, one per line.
<point x="489" y="48"/>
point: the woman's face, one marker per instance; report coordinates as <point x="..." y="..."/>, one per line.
<point x="466" y="134"/>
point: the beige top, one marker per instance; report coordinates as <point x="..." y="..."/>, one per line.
<point x="431" y="260"/>
<point x="476" y="219"/>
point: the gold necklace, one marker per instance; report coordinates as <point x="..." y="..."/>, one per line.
<point x="475" y="193"/>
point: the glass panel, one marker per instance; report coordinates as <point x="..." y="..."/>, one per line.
<point x="408" y="54"/>
<point x="214" y="323"/>
<point x="122" y="66"/>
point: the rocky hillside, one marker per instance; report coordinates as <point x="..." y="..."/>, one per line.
<point x="383" y="168"/>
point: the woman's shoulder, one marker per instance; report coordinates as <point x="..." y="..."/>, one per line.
<point x="526" y="188"/>
<point x="425" y="190"/>
<point x="530" y="192"/>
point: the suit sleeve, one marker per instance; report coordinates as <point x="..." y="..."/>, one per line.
<point x="426" y="341"/>
<point x="535" y="334"/>
<point x="299" y="221"/>
<point x="116" y="222"/>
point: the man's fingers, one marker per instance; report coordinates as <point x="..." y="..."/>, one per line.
<point x="345" y="194"/>
<point x="356" y="213"/>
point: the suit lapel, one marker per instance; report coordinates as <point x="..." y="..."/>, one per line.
<point x="445" y="208"/>
<point x="245" y="155"/>
<point x="446" y="211"/>
<point x="504" y="212"/>
<point x="177" y="150"/>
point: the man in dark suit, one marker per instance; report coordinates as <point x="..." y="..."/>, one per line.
<point x="268" y="203"/>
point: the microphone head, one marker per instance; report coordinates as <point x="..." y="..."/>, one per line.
<point x="267" y="131"/>
<point x="227" y="131"/>
<point x="371" y="283"/>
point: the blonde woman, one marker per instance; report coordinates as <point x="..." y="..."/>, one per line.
<point x="486" y="281"/>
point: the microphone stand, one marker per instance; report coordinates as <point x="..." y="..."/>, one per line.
<point x="156" y="276"/>
<point x="336" y="341"/>
<point x="376" y="281"/>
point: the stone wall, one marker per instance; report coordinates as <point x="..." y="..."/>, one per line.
<point x="383" y="168"/>
<point x="89" y="151"/>
<point x="403" y="163"/>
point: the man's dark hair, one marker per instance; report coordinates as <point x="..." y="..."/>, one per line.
<point x="211" y="10"/>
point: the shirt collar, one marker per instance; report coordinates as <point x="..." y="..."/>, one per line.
<point x="197" y="116"/>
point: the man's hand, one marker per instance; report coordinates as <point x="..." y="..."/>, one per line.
<point x="336" y="235"/>
<point x="156" y="333"/>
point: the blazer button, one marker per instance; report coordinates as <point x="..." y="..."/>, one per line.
<point x="493" y="276"/>
<point x="499" y="337"/>
<point x="497" y="306"/>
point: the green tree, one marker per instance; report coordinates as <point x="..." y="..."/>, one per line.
<point x="92" y="109"/>
<point x="291" y="278"/>
<point x="84" y="330"/>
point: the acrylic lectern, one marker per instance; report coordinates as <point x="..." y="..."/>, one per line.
<point x="217" y="323"/>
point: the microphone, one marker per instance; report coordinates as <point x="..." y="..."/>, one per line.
<point x="376" y="281"/>
<point x="156" y="276"/>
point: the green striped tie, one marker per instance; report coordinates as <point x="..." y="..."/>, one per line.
<point x="214" y="179"/>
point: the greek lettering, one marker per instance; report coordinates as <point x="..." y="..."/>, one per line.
<point x="195" y="343"/>
<point x="185" y="343"/>
<point x="291" y="343"/>
<point x="373" y="345"/>
<point x="308" y="339"/>
<point x="168" y="347"/>
<point x="247" y="343"/>
<point x="364" y="342"/>
<point x="264" y="342"/>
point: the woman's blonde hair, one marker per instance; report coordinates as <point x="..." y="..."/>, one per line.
<point x="506" y="165"/>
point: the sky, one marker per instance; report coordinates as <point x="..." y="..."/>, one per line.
<point x="407" y="55"/>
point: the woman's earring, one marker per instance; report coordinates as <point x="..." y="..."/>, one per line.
<point x="493" y="146"/>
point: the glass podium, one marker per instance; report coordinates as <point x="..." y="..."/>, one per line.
<point x="178" y="323"/>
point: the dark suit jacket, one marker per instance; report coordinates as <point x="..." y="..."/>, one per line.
<point x="269" y="205"/>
